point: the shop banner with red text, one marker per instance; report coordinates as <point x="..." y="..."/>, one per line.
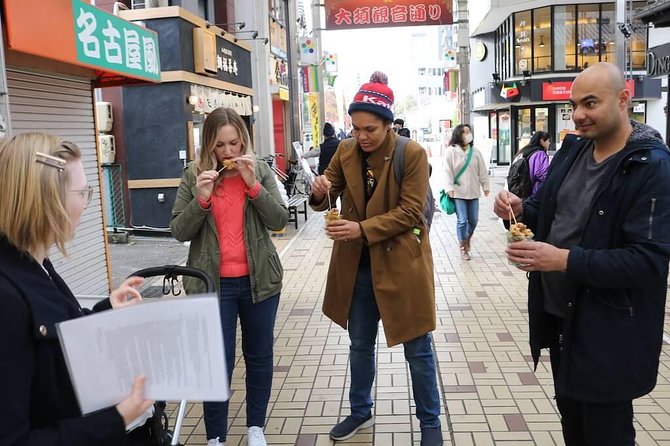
<point x="348" y="14"/>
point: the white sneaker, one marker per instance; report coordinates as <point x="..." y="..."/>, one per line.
<point x="255" y="436"/>
<point x="215" y="442"/>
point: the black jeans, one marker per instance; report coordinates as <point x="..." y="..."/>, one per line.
<point x="591" y="424"/>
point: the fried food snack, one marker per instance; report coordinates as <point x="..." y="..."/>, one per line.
<point x="520" y="231"/>
<point x="333" y="214"/>
<point x="229" y="164"/>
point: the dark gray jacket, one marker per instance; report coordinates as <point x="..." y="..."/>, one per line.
<point x="613" y="332"/>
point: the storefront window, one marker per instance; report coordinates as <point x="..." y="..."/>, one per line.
<point x="608" y="49"/>
<point x="638" y="42"/>
<point x="542" y="39"/>
<point x="565" y="56"/>
<point x="564" y="123"/>
<point x="522" y="42"/>
<point x="589" y="35"/>
<point x="504" y="46"/>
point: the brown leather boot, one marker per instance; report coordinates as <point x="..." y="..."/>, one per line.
<point x="467" y="243"/>
<point x="465" y="253"/>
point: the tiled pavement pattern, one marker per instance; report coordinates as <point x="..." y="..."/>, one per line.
<point x="489" y="391"/>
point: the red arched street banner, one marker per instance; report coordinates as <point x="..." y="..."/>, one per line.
<point x="347" y="14"/>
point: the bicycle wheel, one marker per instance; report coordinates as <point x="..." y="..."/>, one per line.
<point x="301" y="184"/>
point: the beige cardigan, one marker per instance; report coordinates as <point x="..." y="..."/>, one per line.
<point x="474" y="177"/>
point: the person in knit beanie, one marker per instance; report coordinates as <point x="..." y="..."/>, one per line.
<point x="381" y="263"/>
<point x="375" y="97"/>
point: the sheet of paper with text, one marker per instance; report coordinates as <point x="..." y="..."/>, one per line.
<point x="177" y="343"/>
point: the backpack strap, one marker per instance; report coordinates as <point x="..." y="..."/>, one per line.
<point x="399" y="157"/>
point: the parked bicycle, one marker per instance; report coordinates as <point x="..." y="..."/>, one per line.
<point x="296" y="181"/>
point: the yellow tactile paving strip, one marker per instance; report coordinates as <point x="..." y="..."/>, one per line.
<point x="491" y="395"/>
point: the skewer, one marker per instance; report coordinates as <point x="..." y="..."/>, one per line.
<point x="511" y="213"/>
<point x="330" y="206"/>
<point x="221" y="169"/>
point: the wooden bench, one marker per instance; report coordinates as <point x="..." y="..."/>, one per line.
<point x="293" y="208"/>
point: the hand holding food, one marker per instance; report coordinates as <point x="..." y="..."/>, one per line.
<point x="320" y="187"/>
<point x="205" y="184"/>
<point x="518" y="232"/>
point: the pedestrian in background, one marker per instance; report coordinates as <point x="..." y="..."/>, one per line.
<point x="599" y="261"/>
<point x="43" y="191"/>
<point x="534" y="154"/>
<point x="399" y="128"/>
<point x="381" y="265"/>
<point x="225" y="205"/>
<point x="466" y="177"/>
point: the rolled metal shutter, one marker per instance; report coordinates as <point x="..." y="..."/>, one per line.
<point x="64" y="106"/>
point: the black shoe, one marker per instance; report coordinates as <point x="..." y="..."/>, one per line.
<point x="349" y="426"/>
<point x="431" y="436"/>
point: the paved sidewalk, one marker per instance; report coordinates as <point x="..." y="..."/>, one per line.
<point x="489" y="392"/>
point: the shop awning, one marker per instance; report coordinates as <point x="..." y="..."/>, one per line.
<point x="77" y="33"/>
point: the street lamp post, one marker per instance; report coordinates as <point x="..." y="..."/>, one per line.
<point x="464" y="60"/>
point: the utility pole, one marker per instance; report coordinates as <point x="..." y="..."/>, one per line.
<point x="620" y="40"/>
<point x="316" y="28"/>
<point x="293" y="79"/>
<point x="464" y="60"/>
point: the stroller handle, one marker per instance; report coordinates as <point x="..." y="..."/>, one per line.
<point x="172" y="271"/>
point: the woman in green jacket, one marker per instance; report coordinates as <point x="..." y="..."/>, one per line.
<point x="225" y="205"/>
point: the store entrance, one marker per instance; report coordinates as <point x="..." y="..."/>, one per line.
<point x="530" y="120"/>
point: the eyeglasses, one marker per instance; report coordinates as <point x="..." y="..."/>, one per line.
<point x="86" y="194"/>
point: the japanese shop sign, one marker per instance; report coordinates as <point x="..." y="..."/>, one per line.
<point x="104" y="40"/>
<point x="233" y="63"/>
<point x="74" y="32"/>
<point x="347" y="14"/>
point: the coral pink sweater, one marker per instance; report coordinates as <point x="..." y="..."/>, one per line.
<point x="227" y="204"/>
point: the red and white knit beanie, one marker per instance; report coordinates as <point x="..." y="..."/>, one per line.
<point x="375" y="97"/>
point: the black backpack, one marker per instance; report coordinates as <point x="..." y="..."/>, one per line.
<point x="399" y="169"/>
<point x="518" y="178"/>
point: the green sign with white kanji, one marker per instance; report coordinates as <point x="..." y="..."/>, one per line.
<point x="106" y="41"/>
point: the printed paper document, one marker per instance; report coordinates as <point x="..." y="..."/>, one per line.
<point x="176" y="343"/>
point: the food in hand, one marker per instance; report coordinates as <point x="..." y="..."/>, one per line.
<point x="229" y="164"/>
<point x="333" y="214"/>
<point x="520" y="231"/>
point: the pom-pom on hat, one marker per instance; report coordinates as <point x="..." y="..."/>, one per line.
<point x="328" y="129"/>
<point x="374" y="97"/>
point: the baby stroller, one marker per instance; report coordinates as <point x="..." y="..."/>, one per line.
<point x="156" y="431"/>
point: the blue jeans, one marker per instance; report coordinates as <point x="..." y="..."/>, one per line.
<point x="363" y="323"/>
<point x="467" y="212"/>
<point x="257" y="322"/>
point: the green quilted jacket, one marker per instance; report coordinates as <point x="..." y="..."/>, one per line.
<point x="190" y="222"/>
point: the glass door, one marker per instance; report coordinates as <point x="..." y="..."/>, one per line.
<point x="504" y="137"/>
<point x="524" y="127"/>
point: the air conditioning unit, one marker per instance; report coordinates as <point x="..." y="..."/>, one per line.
<point x="104" y="116"/>
<point x="143" y="4"/>
<point x="107" y="149"/>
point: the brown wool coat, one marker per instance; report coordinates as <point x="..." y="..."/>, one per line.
<point x="402" y="268"/>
